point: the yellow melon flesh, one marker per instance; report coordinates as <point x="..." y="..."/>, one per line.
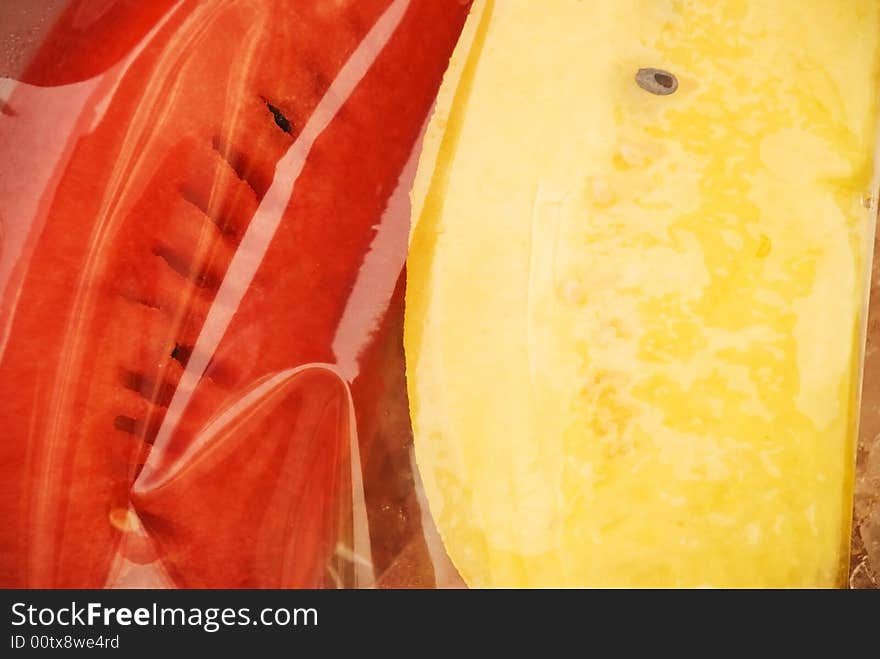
<point x="634" y="321"/>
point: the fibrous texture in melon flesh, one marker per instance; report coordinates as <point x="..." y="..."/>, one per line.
<point x="634" y="316"/>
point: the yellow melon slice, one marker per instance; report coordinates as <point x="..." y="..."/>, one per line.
<point x="634" y="318"/>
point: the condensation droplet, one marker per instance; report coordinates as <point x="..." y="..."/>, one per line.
<point x="574" y="293"/>
<point x="601" y="192"/>
<point x="632" y="155"/>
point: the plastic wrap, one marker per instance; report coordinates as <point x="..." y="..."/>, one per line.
<point x="205" y="211"/>
<point x="204" y="223"/>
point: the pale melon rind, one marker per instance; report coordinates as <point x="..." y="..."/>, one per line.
<point x="634" y="322"/>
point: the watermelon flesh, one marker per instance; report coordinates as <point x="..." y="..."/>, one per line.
<point x="171" y="309"/>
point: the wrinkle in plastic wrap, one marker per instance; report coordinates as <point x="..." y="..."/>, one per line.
<point x="204" y="223"/>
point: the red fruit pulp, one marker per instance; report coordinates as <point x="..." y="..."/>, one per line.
<point x="170" y="337"/>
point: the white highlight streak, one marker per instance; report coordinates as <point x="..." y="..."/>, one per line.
<point x="262" y="228"/>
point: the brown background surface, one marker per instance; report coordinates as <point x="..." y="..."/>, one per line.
<point x="865" y="564"/>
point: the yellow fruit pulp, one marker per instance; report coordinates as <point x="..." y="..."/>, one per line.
<point x="634" y="321"/>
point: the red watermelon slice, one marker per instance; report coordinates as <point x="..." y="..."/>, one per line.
<point x="170" y="335"/>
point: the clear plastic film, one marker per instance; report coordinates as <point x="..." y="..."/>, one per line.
<point x="204" y="210"/>
<point x="205" y="213"/>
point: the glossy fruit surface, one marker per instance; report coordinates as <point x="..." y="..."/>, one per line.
<point x="635" y="304"/>
<point x="202" y="235"/>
